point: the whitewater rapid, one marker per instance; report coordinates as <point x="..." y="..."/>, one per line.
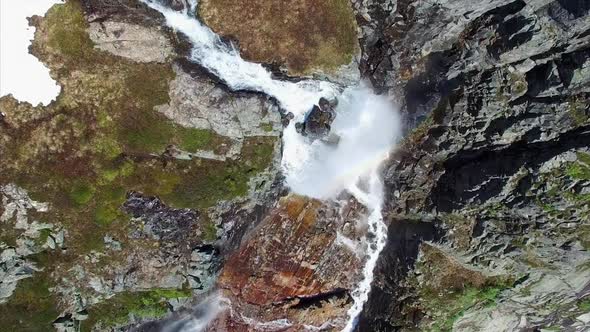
<point x="367" y="124"/>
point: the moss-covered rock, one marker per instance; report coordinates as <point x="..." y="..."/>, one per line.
<point x="304" y="35"/>
<point x="117" y="310"/>
<point x="100" y="139"/>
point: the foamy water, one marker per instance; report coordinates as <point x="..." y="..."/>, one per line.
<point x="367" y="124"/>
<point x="21" y="74"/>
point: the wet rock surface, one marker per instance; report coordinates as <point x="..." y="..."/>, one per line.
<point x="498" y="95"/>
<point x="317" y="123"/>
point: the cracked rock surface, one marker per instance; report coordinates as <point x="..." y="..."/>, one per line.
<point x="494" y="175"/>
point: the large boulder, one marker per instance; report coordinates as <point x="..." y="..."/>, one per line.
<point x="317" y="123"/>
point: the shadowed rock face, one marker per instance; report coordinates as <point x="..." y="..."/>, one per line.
<point x="499" y="93"/>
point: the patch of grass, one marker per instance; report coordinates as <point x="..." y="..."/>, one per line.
<point x="207" y="182"/>
<point x="313" y="35"/>
<point x="145" y="132"/>
<point x="32" y="307"/>
<point x="267" y="127"/>
<point x="81" y="193"/>
<point x="68" y="30"/>
<point x="584" y="305"/>
<point x="116" y="310"/>
<point x="578" y="171"/>
<point x="450" y="306"/>
<point x="193" y="139"/>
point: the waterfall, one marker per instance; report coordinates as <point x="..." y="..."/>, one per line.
<point x="366" y="123"/>
<point x="201" y="315"/>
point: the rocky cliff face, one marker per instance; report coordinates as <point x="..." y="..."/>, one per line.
<point x="148" y="183"/>
<point x="488" y="196"/>
<point x="119" y="200"/>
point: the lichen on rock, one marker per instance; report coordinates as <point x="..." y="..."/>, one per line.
<point x="101" y="143"/>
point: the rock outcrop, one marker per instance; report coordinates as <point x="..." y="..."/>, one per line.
<point x="132" y="41"/>
<point x="499" y="94"/>
<point x="141" y="200"/>
<point x="290" y="267"/>
<point x="317" y="123"/>
<point x="304" y="37"/>
<point x="147" y="183"/>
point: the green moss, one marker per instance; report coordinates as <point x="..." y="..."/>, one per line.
<point x="81" y="193"/>
<point x="209" y="230"/>
<point x="584" y="305"/>
<point x="449" y="307"/>
<point x="267" y="127"/>
<point x="206" y="182"/>
<point x="145" y="132"/>
<point x="172" y="293"/>
<point x="107" y="147"/>
<point x="116" y="310"/>
<point x="577" y="111"/>
<point x="43" y="236"/>
<point x="68" y="30"/>
<point x="578" y="171"/>
<point x="32" y="307"/>
<point x="583" y="157"/>
<point x="106" y="214"/>
<point x="192" y="139"/>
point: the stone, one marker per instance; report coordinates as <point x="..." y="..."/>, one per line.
<point x="198" y="102"/>
<point x="317" y="123"/>
<point x="132" y="41"/>
<point x="291" y="267"/>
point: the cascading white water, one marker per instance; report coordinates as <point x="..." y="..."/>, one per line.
<point x="366" y="123"/>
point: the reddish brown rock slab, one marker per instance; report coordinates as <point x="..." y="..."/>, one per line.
<point x="294" y="267"/>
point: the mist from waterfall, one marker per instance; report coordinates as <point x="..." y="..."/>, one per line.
<point x="367" y="124"/>
<point x="200" y="316"/>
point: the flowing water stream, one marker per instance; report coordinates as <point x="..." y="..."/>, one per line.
<point x="367" y="124"/>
